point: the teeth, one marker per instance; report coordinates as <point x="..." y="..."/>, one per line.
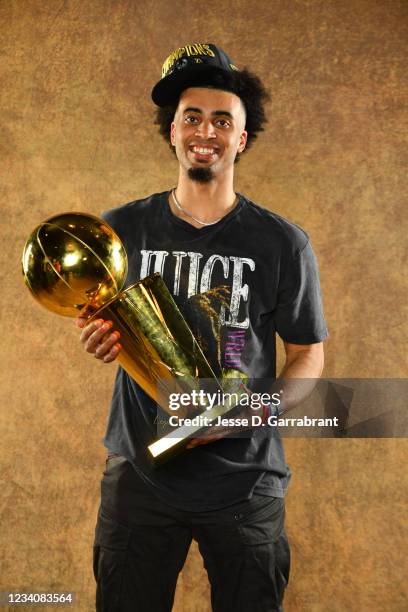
<point x="203" y="150"/>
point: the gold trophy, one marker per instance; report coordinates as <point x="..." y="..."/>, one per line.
<point x="75" y="264"/>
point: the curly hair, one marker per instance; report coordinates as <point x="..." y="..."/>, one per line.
<point x="243" y="83"/>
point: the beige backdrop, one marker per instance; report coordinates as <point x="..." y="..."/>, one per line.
<point x="77" y="134"/>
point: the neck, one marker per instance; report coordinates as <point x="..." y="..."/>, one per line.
<point x="205" y="201"/>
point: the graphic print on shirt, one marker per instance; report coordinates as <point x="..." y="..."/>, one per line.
<point x="217" y="315"/>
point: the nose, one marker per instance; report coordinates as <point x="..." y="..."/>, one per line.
<point x="205" y="130"/>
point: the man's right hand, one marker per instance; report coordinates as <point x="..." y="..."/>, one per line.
<point x="98" y="339"/>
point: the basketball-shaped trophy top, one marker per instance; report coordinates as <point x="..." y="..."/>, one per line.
<point x="74" y="262"/>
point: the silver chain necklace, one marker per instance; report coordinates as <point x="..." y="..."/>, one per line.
<point x="183" y="210"/>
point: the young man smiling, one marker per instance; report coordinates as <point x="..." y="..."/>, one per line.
<point x="207" y="132"/>
<point x="240" y="274"/>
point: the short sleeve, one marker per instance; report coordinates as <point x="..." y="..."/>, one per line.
<point x="299" y="315"/>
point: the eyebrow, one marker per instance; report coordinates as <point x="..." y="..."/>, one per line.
<point x="216" y="113"/>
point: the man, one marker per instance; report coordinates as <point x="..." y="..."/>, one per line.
<point x="239" y="273"/>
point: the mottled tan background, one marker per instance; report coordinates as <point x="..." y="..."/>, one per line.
<point x="77" y="134"/>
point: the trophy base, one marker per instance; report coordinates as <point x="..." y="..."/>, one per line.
<point x="173" y="443"/>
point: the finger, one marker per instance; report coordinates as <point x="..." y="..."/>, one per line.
<point x="194" y="442"/>
<point x="90" y="328"/>
<point x="113" y="353"/>
<point x="93" y="336"/>
<point x="199" y="441"/>
<point x="106" y="343"/>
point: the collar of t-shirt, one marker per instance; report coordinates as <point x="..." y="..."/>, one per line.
<point x="187" y="229"/>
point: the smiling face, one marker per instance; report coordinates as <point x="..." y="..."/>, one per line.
<point x="208" y="131"/>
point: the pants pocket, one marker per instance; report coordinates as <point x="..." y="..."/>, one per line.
<point x="246" y="555"/>
<point x="268" y="555"/>
<point x="262" y="521"/>
<point x="109" y="562"/>
<point x="282" y="556"/>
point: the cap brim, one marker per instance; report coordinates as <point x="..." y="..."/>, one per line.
<point x="167" y="91"/>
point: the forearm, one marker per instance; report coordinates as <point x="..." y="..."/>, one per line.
<point x="298" y="378"/>
<point x="304" y="364"/>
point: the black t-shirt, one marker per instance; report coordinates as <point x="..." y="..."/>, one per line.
<point x="238" y="283"/>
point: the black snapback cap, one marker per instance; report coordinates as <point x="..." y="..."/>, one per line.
<point x="190" y="66"/>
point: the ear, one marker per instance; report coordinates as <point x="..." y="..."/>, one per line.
<point x="173" y="134"/>
<point x="242" y="141"/>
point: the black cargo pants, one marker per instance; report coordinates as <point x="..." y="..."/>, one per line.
<point x="141" y="545"/>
